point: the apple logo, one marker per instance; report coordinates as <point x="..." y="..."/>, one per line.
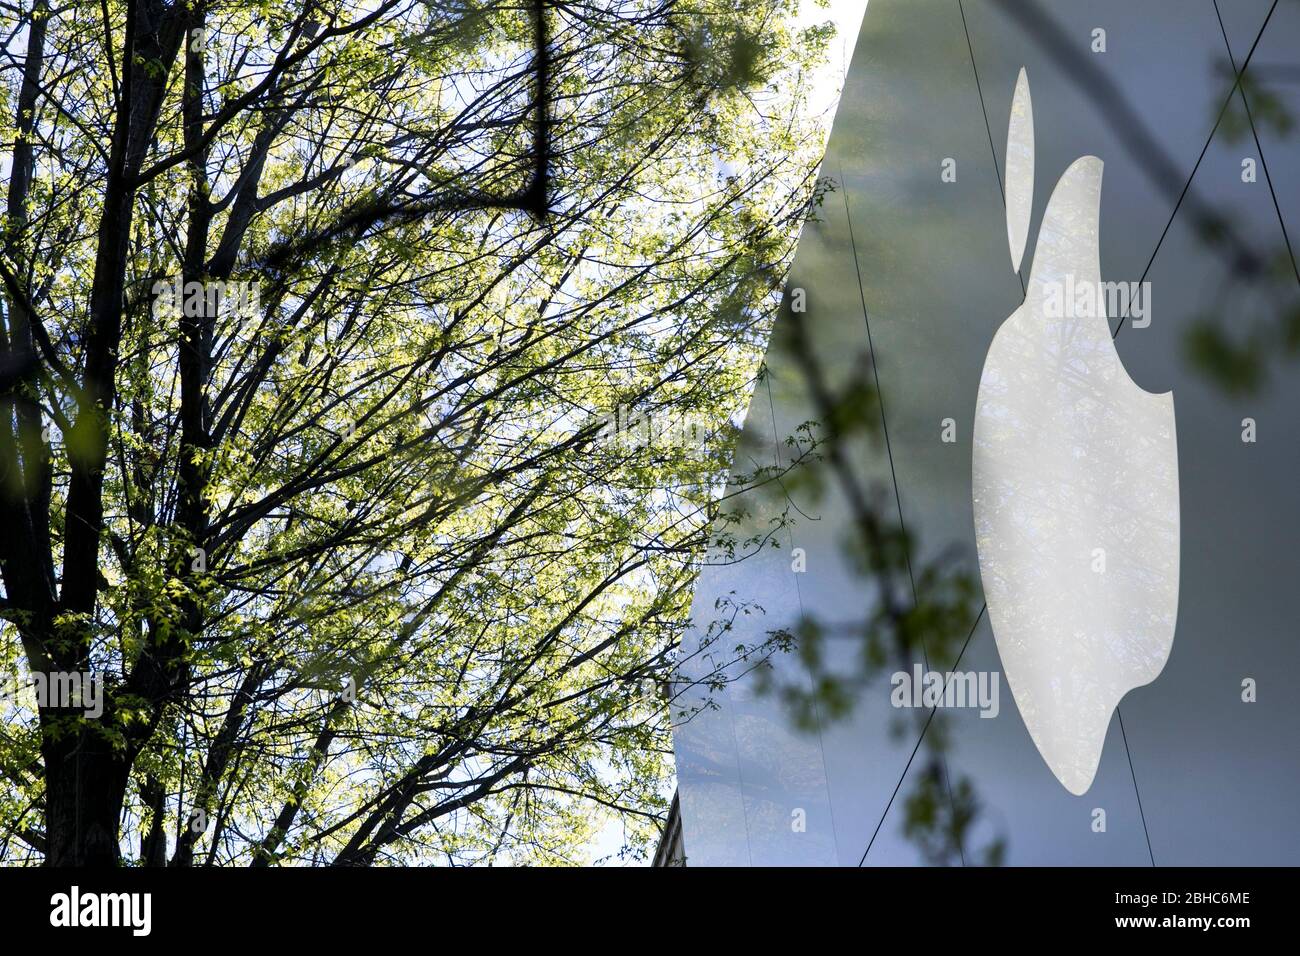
<point x="1075" y="482"/>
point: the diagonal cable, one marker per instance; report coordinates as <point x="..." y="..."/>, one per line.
<point x="893" y="474"/>
<point x="1236" y="83"/>
<point x="1268" y="178"/>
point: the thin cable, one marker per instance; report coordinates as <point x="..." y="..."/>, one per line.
<point x="893" y="475"/>
<point x="1133" y="773"/>
<point x="903" y="776"/>
<point x="880" y="395"/>
<point x="1177" y="205"/>
<point x="1236" y="87"/>
<point x="988" y="130"/>
<point x="1258" y="146"/>
<point x="1188" y="185"/>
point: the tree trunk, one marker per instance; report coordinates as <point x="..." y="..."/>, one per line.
<point x="85" y="775"/>
<point x="86" y="779"/>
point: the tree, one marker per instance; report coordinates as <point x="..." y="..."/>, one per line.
<point x="323" y="328"/>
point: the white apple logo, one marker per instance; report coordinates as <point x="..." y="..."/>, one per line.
<point x="1075" y="484"/>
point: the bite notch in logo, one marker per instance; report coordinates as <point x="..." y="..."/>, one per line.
<point x="1075" y="483"/>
